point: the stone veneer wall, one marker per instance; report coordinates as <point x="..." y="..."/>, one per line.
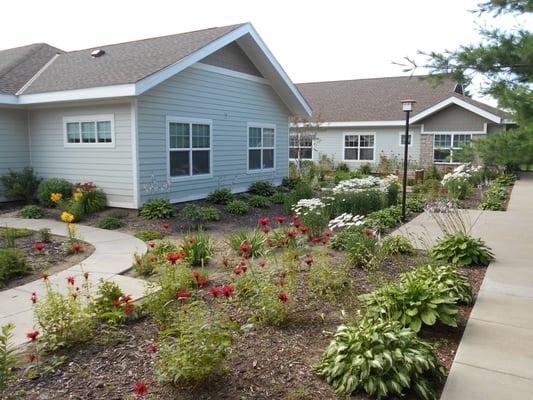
<point x="426" y="150"/>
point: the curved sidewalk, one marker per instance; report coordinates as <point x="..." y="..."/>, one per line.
<point x="113" y="255"/>
<point x="494" y="360"/>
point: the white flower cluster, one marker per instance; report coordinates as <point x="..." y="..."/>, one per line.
<point x="370" y="182"/>
<point x="455" y="176"/>
<point x="345" y="221"/>
<point x="306" y="205"/>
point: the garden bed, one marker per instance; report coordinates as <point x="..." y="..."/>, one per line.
<point x="266" y="362"/>
<point x="51" y="259"/>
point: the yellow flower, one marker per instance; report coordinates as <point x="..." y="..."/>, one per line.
<point x="55" y="197"/>
<point x="72" y="228"/>
<point x="78" y="196"/>
<point x="67" y="217"/>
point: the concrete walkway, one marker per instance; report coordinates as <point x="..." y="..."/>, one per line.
<point x="113" y="255"/>
<point x="494" y="360"/>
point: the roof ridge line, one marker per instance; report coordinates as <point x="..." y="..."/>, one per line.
<point x="367" y="79"/>
<point x="41" y="45"/>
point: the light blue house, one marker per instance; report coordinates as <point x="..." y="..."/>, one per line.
<point x="174" y="116"/>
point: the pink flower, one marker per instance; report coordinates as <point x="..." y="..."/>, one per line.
<point x="369" y="233"/>
<point x="76" y="247"/>
<point x="116" y="303"/>
<point x="126" y="298"/>
<point x="196" y="275"/>
<point x="315" y="240"/>
<point x="238" y="270"/>
<point x="308" y="260"/>
<point x="291" y="234"/>
<point x="140" y="388"/>
<point x="39" y="246"/>
<point x="165" y="226"/>
<point x="173" y="257"/>
<point x="202" y="282"/>
<point x="266" y="229"/>
<point x="304" y="229"/>
<point x="33" y="335"/>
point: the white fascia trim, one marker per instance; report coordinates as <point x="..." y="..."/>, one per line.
<point x="8" y="99"/>
<point x="79" y="94"/>
<point x="230" y="72"/>
<point x="460" y="103"/>
<point x="348" y="124"/>
<point x="460" y="131"/>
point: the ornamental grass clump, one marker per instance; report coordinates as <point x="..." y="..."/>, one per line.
<point x="382" y="359"/>
<point x="198" y="249"/>
<point x="248" y="243"/>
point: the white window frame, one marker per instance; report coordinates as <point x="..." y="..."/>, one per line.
<point x="89" y="118"/>
<point x="451" y="148"/>
<point x="358" y="134"/>
<point x="301" y="147"/>
<point x="190" y="149"/>
<point x="402" y="133"/>
<point x="261" y="125"/>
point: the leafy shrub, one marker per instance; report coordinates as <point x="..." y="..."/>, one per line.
<point x="254" y="239"/>
<point x="21" y="185"/>
<point x="362" y="249"/>
<point x="92" y="201"/>
<point x="386" y="218"/>
<point x="148" y="235"/>
<point x="110" y="222"/>
<point x="459" y="189"/>
<point x="237" y="207"/>
<point x="198" y="248"/>
<point x="13" y="262"/>
<point x="445" y="279"/>
<point x="342" y="176"/>
<point x="391" y="194"/>
<point x="196" y="347"/>
<point x="415" y="204"/>
<point x="104" y="304"/>
<point x="413" y="302"/>
<point x="31" y="212"/>
<point x="157" y="209"/>
<point x="342" y="167"/>
<point x="278" y="198"/>
<point x="44" y="235"/>
<point x="461" y="250"/>
<point x="393" y="245"/>
<point x="342" y="239"/>
<point x="365" y="169"/>
<point x="64" y="319"/>
<point x="356" y="203"/>
<point x="262" y="188"/>
<point x="291" y="182"/>
<point x="506" y="179"/>
<point x="8" y="359"/>
<point x="258" y="201"/>
<point x="382" y="359"/>
<point x="53" y="185"/>
<point x="494" y="197"/>
<point x="301" y="191"/>
<point x="220" y="196"/>
<point x="197" y="216"/>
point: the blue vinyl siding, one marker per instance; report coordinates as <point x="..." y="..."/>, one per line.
<point x="230" y="103"/>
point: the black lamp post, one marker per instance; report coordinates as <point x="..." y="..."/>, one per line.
<point x="407" y="106"/>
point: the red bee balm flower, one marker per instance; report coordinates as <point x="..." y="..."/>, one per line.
<point x="39" y="246"/>
<point x="263" y="221"/>
<point x="33" y="335"/>
<point x="283" y="242"/>
<point x="202" y="282"/>
<point x="116" y="303"/>
<point x="34" y="297"/>
<point x="71" y="280"/>
<point x="238" y="270"/>
<point x="291" y="234"/>
<point x="153" y="347"/>
<point x="76" y="247"/>
<point x="129" y="308"/>
<point x="173" y="257"/>
<point x="196" y="275"/>
<point x="308" y="260"/>
<point x="304" y="229"/>
<point x="244" y="247"/>
<point x="283" y="297"/>
<point x="280" y="220"/>
<point x="126" y="298"/>
<point x="315" y="240"/>
<point x="227" y="290"/>
<point x="215" y="291"/>
<point x="166" y="226"/>
<point x="140" y="388"/>
<point x="183" y="294"/>
<point x="369" y="232"/>
<point x="151" y="245"/>
<point x="266" y="229"/>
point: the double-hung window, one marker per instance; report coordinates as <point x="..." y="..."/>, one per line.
<point x="189" y="147"/>
<point x="89" y="130"/>
<point x="300" y="147"/>
<point x="261" y="147"/>
<point x="447" y="146"/>
<point x="359" y="147"/>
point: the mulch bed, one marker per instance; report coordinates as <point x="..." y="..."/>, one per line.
<point x="51" y="259"/>
<point x="266" y="363"/>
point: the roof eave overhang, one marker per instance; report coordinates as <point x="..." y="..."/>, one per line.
<point x="461" y="103"/>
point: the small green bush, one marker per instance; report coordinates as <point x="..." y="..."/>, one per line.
<point x="31" y="212"/>
<point x="158" y="209"/>
<point x="103" y="307"/>
<point x="362" y="249"/>
<point x="163" y="248"/>
<point x="365" y="169"/>
<point x="148" y="235"/>
<point x="13" y="262"/>
<point x="391" y="194"/>
<point x="393" y="245"/>
<point x="494" y="197"/>
<point x="110" y="222"/>
<point x="198" y="249"/>
<point x="382" y="359"/>
<point x="278" y="198"/>
<point x="291" y="182"/>
<point x="415" y="204"/>
<point x="220" y="196"/>
<point x="197" y="216"/>
<point x="258" y="201"/>
<point x="356" y="203"/>
<point x="20" y="185"/>
<point x="385" y="219"/>
<point x="461" y="250"/>
<point x="237" y="207"/>
<point x="262" y="188"/>
<point x="506" y="179"/>
<point x="93" y="201"/>
<point x="459" y="189"/>
<point x="342" y="167"/>
<point x="53" y="185"/>
<point x="342" y="239"/>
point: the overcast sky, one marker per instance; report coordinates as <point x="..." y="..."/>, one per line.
<point x="313" y="40"/>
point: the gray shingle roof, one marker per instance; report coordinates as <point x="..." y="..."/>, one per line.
<point x="19" y="65"/>
<point x="378" y="99"/>
<point x="122" y="63"/>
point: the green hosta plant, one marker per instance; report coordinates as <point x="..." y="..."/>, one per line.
<point x="198" y="248"/>
<point x="413" y="303"/>
<point x="237" y="207"/>
<point x="461" y="249"/>
<point x="31" y="212"/>
<point x="157" y="209"/>
<point x="220" y="196"/>
<point x="445" y="279"/>
<point x="259" y="201"/>
<point x="382" y="359"/>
